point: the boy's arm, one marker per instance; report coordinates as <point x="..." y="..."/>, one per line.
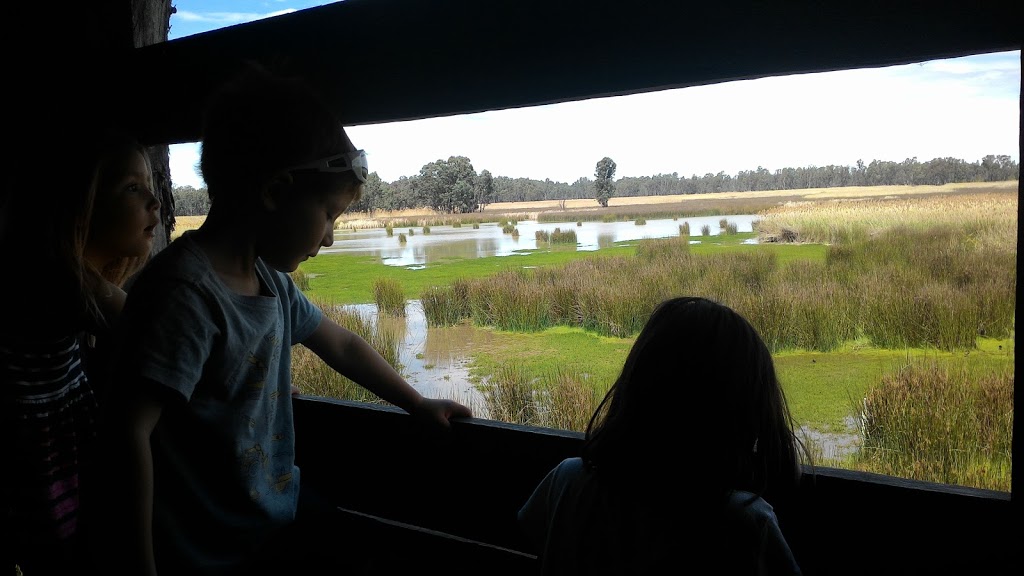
<point x="352" y="356"/>
<point x="131" y="461"/>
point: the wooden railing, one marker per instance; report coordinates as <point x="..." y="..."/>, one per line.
<point x="458" y="493"/>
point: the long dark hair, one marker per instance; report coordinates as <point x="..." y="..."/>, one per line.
<point x="698" y="393"/>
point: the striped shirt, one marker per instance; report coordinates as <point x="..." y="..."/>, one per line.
<point x="49" y="418"/>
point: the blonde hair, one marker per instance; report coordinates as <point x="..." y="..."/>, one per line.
<point x="108" y="162"/>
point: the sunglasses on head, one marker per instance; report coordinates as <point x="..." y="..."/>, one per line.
<point x="354" y="161"/>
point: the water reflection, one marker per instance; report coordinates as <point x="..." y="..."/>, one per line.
<point x="433" y="361"/>
<point x="446" y="242"/>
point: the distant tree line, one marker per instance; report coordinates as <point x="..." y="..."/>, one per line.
<point x="454" y="186"/>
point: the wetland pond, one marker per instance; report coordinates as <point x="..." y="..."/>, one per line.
<point x="435" y="360"/>
<point x="446" y="242"/>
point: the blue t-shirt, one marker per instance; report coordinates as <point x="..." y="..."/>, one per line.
<point x="582" y="527"/>
<point x="224" y="457"/>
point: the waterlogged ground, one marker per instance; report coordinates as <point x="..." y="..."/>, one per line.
<point x="452" y="362"/>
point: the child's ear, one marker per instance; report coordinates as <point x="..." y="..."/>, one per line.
<point x="275" y="189"/>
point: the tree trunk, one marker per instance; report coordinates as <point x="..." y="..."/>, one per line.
<point x="150" y="24"/>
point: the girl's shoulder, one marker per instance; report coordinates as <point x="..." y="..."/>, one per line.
<point x="750" y="508"/>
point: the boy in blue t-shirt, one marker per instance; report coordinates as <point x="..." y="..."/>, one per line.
<point x="205" y="430"/>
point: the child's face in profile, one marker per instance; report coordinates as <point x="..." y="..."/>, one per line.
<point x="302" y="223"/>
<point x="126" y="211"/>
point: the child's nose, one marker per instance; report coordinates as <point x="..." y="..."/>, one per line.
<point x="328" y="239"/>
<point x="154" y="201"/>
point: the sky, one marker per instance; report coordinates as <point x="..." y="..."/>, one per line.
<point x="964" y="108"/>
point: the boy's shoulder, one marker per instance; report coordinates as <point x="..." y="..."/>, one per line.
<point x="181" y="260"/>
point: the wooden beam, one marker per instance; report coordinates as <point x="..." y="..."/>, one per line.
<point x="388" y="60"/>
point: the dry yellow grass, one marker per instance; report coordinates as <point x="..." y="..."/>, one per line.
<point x="991" y="214"/>
<point x="808" y="194"/>
<point x="183" y="223"/>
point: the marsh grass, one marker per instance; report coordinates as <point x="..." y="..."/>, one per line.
<point x="509" y="396"/>
<point x="446" y="305"/>
<point x="389" y="296"/>
<point x="566" y="400"/>
<point x="684" y="229"/>
<point x="906" y="287"/>
<point x="705" y="230"/>
<point x="988" y="218"/>
<point x="402" y="239"/>
<point x="940" y="423"/>
<point x="301" y="279"/>
<point x="312" y="376"/>
<point x="559" y="236"/>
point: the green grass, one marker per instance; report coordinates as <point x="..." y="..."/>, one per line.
<point x="348" y="279"/>
<point x="820" y="387"/>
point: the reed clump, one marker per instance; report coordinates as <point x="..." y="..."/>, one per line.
<point x="508" y="395"/>
<point x="389" y="296"/>
<point x="559" y="236"/>
<point x="301" y="279"/>
<point x="314" y="377"/>
<point x="446" y="305"/>
<point x="939" y="423"/>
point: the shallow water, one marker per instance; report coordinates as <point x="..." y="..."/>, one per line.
<point x="447" y="242"/>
